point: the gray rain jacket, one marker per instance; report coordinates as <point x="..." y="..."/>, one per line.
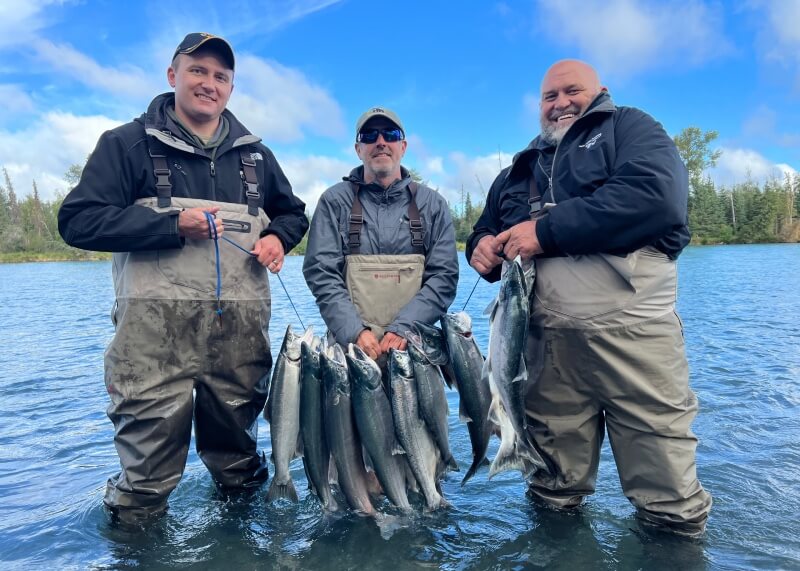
<point x="385" y="231"/>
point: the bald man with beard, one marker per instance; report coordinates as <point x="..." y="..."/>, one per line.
<point x="599" y="200"/>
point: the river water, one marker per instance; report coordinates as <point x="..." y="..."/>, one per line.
<point x="740" y="306"/>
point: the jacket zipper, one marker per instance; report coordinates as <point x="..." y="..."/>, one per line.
<point x="551" y="186"/>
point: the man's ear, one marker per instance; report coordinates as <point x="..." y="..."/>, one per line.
<point x="171" y="76"/>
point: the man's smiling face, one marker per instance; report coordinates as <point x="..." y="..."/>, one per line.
<point x="203" y="85"/>
<point x="381" y="159"/>
<point x="567" y="90"/>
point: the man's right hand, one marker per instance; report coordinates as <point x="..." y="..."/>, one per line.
<point x="369" y="343"/>
<point x="485" y="256"/>
<point x="192" y="223"/>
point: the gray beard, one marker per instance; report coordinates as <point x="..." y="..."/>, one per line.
<point x="552" y="134"/>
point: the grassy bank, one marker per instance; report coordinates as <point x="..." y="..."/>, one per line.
<point x="56" y="256"/>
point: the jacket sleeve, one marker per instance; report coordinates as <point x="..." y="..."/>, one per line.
<point x="489" y="223"/>
<point x="644" y="198"/>
<point x="99" y="214"/>
<point x="287" y="218"/>
<point x="323" y="269"/>
<point x="440" y="278"/>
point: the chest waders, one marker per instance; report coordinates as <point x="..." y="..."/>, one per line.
<point x="606" y="352"/>
<point x="380" y="285"/>
<point x="173" y="358"/>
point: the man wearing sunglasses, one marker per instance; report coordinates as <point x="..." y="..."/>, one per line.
<point x="381" y="249"/>
<point x="599" y="198"/>
<point x="177" y="194"/>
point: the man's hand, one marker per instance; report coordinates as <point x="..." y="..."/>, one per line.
<point x="192" y="223"/>
<point x="393" y="341"/>
<point x="520" y="240"/>
<point x="269" y="252"/>
<point x="485" y="256"/>
<point x="369" y="343"/>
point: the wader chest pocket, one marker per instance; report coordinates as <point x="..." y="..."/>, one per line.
<point x="584" y="287"/>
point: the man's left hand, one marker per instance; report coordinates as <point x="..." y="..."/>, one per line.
<point x="520" y="240"/>
<point x="393" y="341"/>
<point x="269" y="252"/>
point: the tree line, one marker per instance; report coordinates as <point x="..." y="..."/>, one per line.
<point x="744" y="212"/>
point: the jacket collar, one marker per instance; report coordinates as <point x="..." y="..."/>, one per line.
<point x="357" y="177"/>
<point x="156" y="119"/>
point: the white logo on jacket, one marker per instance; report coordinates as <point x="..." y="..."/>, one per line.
<point x="590" y="143"/>
<point x="256" y="156"/>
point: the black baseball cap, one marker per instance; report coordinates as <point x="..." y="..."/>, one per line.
<point x="195" y="40"/>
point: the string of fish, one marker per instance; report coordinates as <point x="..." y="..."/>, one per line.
<point x="212" y="234"/>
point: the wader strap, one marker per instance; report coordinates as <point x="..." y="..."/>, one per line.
<point x="356" y="220"/>
<point x="250" y="181"/>
<point x="534" y="199"/>
<point x="162" y="173"/>
<point x="415" y="221"/>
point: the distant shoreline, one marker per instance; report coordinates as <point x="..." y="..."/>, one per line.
<point x="85" y="256"/>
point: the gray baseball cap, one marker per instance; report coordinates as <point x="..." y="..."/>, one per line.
<point x="378" y="112"/>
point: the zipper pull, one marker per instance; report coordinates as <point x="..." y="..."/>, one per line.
<point x="213" y="169"/>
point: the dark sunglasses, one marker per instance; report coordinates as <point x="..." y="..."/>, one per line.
<point x="371" y="135"/>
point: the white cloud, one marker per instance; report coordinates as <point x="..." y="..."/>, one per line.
<point x="15" y="100"/>
<point x="311" y="175"/>
<point x="473" y="175"/>
<point x="779" y="35"/>
<point x="20" y="22"/>
<point x="784" y="20"/>
<point x="623" y="37"/>
<point x="128" y="80"/>
<point x="45" y="150"/>
<point x="281" y="104"/>
<point x="738" y="165"/>
<point x="434" y="165"/>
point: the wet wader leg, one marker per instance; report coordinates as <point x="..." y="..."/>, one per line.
<point x="563" y="418"/>
<point x="649" y="413"/>
<point x="151" y="407"/>
<point x="231" y="397"/>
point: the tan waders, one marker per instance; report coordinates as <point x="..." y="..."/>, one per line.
<point x="174" y="358"/>
<point x="606" y="350"/>
<point x="381" y="285"/>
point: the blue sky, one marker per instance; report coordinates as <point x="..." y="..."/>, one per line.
<point x="463" y="76"/>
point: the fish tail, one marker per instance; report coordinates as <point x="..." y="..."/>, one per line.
<point x="286" y="490"/>
<point x="476" y="463"/>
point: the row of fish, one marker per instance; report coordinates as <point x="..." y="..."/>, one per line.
<point x="335" y="411"/>
<point x="373" y="433"/>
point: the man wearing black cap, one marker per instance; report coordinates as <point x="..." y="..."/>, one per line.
<point x="194" y="208"/>
<point x="381" y="250"/>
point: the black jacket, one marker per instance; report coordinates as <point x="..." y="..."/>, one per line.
<point x="619" y="184"/>
<point x="99" y="214"/>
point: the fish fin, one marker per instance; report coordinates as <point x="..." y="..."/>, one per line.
<point x="397" y="448"/>
<point x="463" y="416"/>
<point x="452" y="465"/>
<point x="490" y="308"/>
<point x="476" y="463"/>
<point x="510" y="461"/>
<point x="449" y="380"/>
<point x="373" y="484"/>
<point x="282" y="491"/>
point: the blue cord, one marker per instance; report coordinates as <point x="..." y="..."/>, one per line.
<point x="212" y="233"/>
